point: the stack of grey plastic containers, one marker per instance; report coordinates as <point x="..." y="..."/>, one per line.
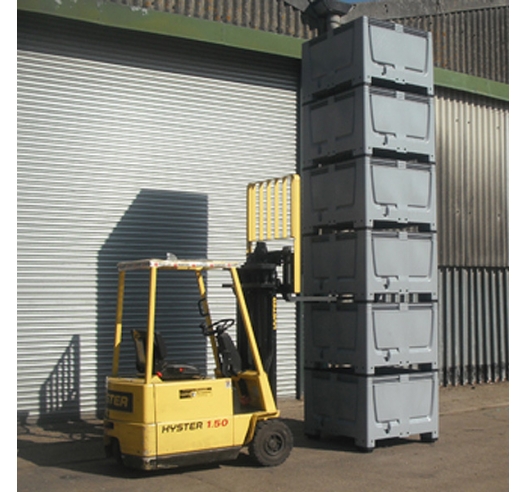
<point x="369" y="233"/>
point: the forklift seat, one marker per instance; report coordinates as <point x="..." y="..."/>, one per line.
<point x="231" y="362"/>
<point x="167" y="371"/>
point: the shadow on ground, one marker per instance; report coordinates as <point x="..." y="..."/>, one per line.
<point x="77" y="446"/>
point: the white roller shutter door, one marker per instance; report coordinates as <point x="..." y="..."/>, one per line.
<point x="132" y="145"/>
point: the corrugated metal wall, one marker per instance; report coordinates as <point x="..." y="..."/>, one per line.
<point x="59" y="215"/>
<point x="132" y="146"/>
<point x="472" y="135"/>
<point x="474" y="338"/>
<point x="473" y="233"/>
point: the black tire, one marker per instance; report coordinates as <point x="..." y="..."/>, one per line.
<point x="272" y="442"/>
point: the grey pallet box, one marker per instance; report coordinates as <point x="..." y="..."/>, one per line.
<point x="367" y="50"/>
<point x="368" y="120"/>
<point x="367" y="189"/>
<point x="371" y="408"/>
<point x="371" y="336"/>
<point x="370" y="263"/>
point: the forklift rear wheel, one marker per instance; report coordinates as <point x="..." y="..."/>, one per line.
<point x="272" y="443"/>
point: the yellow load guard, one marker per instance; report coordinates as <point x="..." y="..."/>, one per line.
<point x="273" y="213"/>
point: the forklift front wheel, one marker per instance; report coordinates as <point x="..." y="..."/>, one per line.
<point x="272" y="442"/>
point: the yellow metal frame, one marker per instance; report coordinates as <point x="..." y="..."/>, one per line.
<point x="273" y="212"/>
<point x="258" y="376"/>
<point x="145" y="414"/>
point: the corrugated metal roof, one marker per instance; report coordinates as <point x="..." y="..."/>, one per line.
<point x="470" y="36"/>
<point x="474" y="42"/>
<point x="266" y="15"/>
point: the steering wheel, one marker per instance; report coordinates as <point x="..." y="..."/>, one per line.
<point x="216" y="328"/>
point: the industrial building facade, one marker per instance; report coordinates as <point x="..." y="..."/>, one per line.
<point x="140" y="125"/>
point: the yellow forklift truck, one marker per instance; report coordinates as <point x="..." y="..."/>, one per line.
<point x="168" y="414"/>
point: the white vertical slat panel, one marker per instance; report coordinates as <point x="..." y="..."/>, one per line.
<point x="131" y="146"/>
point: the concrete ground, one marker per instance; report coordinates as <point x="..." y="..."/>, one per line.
<point x="472" y="454"/>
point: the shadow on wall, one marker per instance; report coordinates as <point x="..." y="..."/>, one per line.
<point x="157" y="222"/>
<point x="60" y="393"/>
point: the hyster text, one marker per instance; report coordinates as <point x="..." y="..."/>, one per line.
<point x="187" y="426"/>
<point x="192" y="426"/>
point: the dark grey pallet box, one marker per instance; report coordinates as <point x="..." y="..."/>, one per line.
<point x="367" y="50"/>
<point x="367" y="189"/>
<point x="370" y="263"/>
<point x="368" y="120"/>
<point x="371" y="336"/>
<point x="371" y="408"/>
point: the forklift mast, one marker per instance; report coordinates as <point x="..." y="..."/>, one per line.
<point x="273" y="214"/>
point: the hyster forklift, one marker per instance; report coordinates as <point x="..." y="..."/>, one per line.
<point x="169" y="414"/>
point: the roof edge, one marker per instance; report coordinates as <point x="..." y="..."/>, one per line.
<point x="470" y="83"/>
<point x="176" y="25"/>
<point x="167" y="24"/>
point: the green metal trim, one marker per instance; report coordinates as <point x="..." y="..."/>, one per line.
<point x="168" y="24"/>
<point x="176" y="25"/>
<point x="471" y="84"/>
